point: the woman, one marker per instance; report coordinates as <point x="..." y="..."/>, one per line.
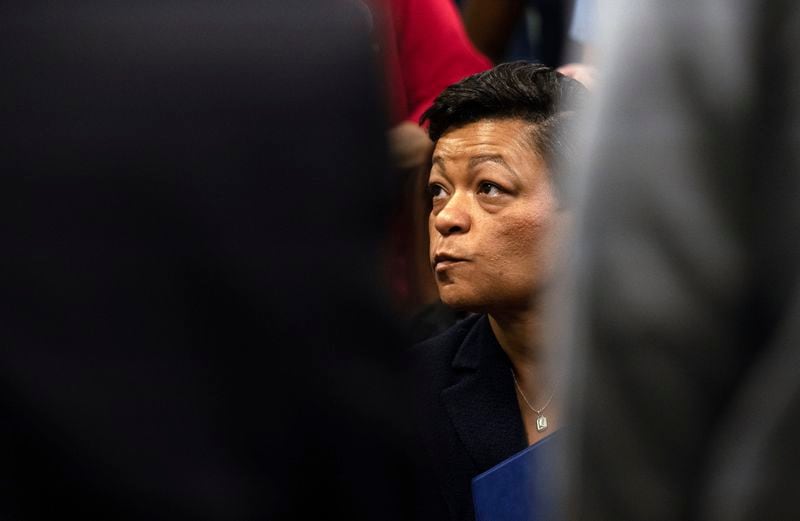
<point x="484" y="391"/>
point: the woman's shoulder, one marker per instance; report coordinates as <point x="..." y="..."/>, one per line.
<point x="455" y="333"/>
<point x="438" y="351"/>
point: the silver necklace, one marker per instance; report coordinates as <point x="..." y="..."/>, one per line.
<point x="541" y="419"/>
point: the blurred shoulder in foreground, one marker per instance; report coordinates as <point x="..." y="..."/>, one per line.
<point x="192" y="201"/>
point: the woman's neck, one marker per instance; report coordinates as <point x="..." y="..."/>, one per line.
<point x="520" y="335"/>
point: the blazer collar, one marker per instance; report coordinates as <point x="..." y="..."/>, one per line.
<point x="482" y="403"/>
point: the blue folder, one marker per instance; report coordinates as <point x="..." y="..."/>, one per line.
<point x="512" y="489"/>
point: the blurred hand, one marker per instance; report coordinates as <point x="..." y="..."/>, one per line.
<point x="580" y="71"/>
<point x="409" y="146"/>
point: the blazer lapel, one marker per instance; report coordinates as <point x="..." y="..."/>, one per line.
<point x="482" y="403"/>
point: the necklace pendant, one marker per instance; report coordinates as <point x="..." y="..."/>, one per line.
<point x="541" y="423"/>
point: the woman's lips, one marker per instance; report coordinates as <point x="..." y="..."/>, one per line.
<point x="443" y="261"/>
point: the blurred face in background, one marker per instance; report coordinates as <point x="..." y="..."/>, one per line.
<point x="494" y="217"/>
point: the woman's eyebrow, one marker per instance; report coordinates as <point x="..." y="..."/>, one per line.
<point x="438" y="161"/>
<point x="492" y="158"/>
<point x="437" y="164"/>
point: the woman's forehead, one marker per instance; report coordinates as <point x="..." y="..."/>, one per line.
<point x="504" y="141"/>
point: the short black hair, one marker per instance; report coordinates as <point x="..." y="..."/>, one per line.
<point x="530" y="92"/>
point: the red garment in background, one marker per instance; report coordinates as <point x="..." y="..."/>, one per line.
<point x="425" y="48"/>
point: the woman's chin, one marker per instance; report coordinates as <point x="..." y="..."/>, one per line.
<point x="460" y="301"/>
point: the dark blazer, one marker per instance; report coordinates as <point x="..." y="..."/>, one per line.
<point x="468" y="419"/>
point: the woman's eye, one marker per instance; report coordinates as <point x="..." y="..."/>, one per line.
<point x="436" y="192"/>
<point x="489" y="189"/>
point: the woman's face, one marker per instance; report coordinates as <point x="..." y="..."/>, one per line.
<point x="493" y="222"/>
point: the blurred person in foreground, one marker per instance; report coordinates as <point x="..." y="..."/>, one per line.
<point x="484" y="389"/>
<point x="192" y="201"/>
<point x="684" y="313"/>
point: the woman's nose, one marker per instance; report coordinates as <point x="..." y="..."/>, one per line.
<point x="453" y="217"/>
